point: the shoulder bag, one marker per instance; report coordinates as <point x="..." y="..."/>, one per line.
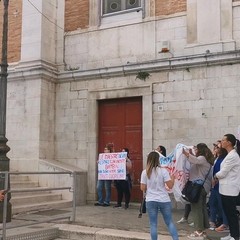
<point x="192" y="190"/>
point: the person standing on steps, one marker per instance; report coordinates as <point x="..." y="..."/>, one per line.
<point x="229" y="187"/>
<point x="200" y="172"/>
<point x="124" y="186"/>
<point x="153" y="180"/>
<point x="217" y="214"/>
<point x="161" y="149"/>
<point x="104" y="184"/>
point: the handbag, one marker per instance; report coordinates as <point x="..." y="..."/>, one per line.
<point x="192" y="190"/>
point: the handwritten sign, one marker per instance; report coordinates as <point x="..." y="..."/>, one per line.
<point x="112" y="166"/>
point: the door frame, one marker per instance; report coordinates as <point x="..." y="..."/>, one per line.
<point x="144" y="91"/>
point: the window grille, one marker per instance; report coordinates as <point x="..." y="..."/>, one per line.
<point x="115" y="6"/>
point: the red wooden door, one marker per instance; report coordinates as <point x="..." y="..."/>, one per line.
<point x="120" y="123"/>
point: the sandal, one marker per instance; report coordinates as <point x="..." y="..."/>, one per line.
<point x="197" y="235"/>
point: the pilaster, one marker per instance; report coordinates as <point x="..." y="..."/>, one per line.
<point x="209" y="26"/>
<point x="42" y="31"/>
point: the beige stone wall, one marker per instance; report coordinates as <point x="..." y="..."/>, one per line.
<point x="199" y="105"/>
<point x="190" y="96"/>
<point x="14" y="31"/>
<point x="179" y="106"/>
<point x="71" y="124"/>
<point x="77" y="12"/>
<point x="47" y="120"/>
<point x="23" y="121"/>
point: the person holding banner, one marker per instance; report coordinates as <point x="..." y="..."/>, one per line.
<point x="124" y="186"/>
<point x="161" y="149"/>
<point x="153" y="180"/>
<point x="200" y="172"/>
<point x="229" y="186"/>
<point x="106" y="184"/>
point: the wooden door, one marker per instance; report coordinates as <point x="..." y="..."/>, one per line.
<point x="120" y="123"/>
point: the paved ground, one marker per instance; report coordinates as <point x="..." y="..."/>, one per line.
<point x="111" y="218"/>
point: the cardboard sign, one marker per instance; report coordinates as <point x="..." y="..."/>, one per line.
<point x="112" y="166"/>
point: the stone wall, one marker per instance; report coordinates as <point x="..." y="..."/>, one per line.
<point x="191" y="96"/>
<point x="185" y="106"/>
<point x="23" y="121"/>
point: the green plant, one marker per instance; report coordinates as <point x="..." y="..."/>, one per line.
<point x="143" y="75"/>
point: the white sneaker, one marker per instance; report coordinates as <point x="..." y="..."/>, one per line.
<point x="191" y="224"/>
<point x="228" y="237"/>
<point x="182" y="220"/>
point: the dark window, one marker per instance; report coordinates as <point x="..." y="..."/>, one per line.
<point x="113" y="6"/>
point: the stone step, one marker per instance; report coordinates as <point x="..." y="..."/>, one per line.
<point x="23" y="184"/>
<point x="16" y="194"/>
<point x="14" y="178"/>
<point x="90" y="233"/>
<point x="35" y="232"/>
<point x="16" y="209"/>
<point x="36" y="198"/>
<point x="23" y="202"/>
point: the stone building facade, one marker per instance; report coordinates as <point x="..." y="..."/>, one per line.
<point x="65" y="56"/>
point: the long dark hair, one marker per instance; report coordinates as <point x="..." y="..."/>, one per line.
<point x="127" y="151"/>
<point x="163" y="150"/>
<point x="235" y="142"/>
<point x="203" y="150"/>
<point x="152" y="162"/>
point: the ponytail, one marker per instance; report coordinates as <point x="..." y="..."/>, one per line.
<point x="234" y="141"/>
<point x="237" y="146"/>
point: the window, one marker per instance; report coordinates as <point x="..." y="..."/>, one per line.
<point x="117" y="6"/>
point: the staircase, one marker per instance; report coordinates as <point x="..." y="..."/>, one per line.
<point x="23" y="202"/>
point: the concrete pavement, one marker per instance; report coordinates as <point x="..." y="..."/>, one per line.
<point x="98" y="223"/>
<point x="127" y="222"/>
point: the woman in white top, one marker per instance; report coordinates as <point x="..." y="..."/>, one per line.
<point x="229" y="179"/>
<point x="153" y="180"/>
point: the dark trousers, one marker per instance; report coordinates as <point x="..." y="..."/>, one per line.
<point x="199" y="212"/>
<point x="230" y="208"/>
<point x="123" y="188"/>
<point x="187" y="210"/>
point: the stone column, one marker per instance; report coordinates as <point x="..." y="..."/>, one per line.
<point x="42" y="31"/>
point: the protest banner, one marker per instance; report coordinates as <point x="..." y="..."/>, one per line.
<point x="178" y="165"/>
<point x="112" y="166"/>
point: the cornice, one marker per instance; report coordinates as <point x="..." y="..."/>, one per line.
<point x="167" y="64"/>
<point x="44" y="70"/>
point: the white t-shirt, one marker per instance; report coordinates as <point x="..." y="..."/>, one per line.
<point x="156" y="190"/>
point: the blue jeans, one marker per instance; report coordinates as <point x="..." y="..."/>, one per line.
<point x="107" y="185"/>
<point x="166" y="210"/>
<point x="216" y="208"/>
